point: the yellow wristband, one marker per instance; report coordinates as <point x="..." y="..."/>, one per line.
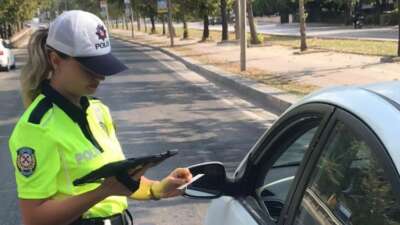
<point x="152" y="195"/>
<point x="143" y="193"/>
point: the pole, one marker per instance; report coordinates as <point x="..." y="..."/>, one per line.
<point x="243" y="41"/>
<point x="171" y="33"/>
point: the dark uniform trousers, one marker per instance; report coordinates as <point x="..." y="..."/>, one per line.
<point x="119" y="219"/>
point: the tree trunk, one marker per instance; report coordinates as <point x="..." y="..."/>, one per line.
<point x="171" y="30"/>
<point x="126" y="23"/>
<point x="9" y="31"/>
<point x="253" y="32"/>
<point x="185" y="27"/>
<point x="236" y="12"/>
<point x="206" y="31"/>
<point x="153" y="24"/>
<point x="17" y="26"/>
<point x="163" y="24"/>
<point x="2" y="31"/>
<point x="224" y="21"/>
<point x="131" y="17"/>
<point x="138" y="20"/>
<point x="145" y="24"/>
<point x="347" y="12"/>
<point x="303" y="44"/>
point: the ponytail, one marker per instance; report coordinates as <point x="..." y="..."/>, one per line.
<point x="36" y="69"/>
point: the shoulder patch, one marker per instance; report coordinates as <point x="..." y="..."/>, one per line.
<point x="26" y="161"/>
<point x="40" y="110"/>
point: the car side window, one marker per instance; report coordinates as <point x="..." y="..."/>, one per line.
<point x="278" y="180"/>
<point x="348" y="186"/>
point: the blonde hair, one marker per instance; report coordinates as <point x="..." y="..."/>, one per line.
<point x="37" y="68"/>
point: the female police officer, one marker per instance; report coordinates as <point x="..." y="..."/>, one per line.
<point x="64" y="134"/>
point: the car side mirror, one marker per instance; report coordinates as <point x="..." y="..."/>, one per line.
<point x="211" y="184"/>
<point x="7" y="44"/>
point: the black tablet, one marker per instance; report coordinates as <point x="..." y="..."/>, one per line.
<point x="123" y="166"/>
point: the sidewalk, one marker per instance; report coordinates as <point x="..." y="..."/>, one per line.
<point x="278" y="66"/>
<point x="20" y="39"/>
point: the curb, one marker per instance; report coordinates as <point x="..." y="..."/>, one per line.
<point x="390" y="59"/>
<point x="270" y="98"/>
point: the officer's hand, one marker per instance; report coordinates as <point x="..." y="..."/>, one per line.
<point x="113" y="187"/>
<point x="167" y="187"/>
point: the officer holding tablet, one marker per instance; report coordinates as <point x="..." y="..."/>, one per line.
<point x="64" y="135"/>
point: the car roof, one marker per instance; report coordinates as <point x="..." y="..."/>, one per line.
<point x="377" y="105"/>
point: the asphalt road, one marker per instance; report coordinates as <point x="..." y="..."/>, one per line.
<point x="157" y="105"/>
<point x="384" y="33"/>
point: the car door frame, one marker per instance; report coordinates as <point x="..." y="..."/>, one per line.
<point x="247" y="175"/>
<point x="359" y="127"/>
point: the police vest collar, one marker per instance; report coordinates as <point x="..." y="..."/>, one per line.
<point x="77" y="114"/>
<point x="74" y="112"/>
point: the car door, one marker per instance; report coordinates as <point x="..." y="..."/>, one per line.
<point x="6" y="52"/>
<point x="272" y="167"/>
<point x="2" y="50"/>
<point x="350" y="179"/>
<point x="7" y="49"/>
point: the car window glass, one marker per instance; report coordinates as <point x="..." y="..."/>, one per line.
<point x="279" y="178"/>
<point x="348" y="186"/>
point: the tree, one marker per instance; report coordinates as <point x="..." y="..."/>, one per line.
<point x="115" y="10"/>
<point x="253" y="32"/>
<point x="206" y="8"/>
<point x="236" y="12"/>
<point x="347" y="11"/>
<point x="162" y="16"/>
<point x="303" y="44"/>
<point x="184" y="9"/>
<point x="204" y="13"/>
<point x="14" y="12"/>
<point x="150" y="10"/>
<point x="224" y="19"/>
<point x="135" y="7"/>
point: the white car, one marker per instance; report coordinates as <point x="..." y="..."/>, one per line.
<point x="7" y="59"/>
<point x="333" y="158"/>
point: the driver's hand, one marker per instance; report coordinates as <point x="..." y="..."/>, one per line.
<point x="167" y="187"/>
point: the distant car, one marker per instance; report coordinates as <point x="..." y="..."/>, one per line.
<point x="331" y="159"/>
<point x="43" y="26"/>
<point x="7" y="59"/>
<point x="215" y="20"/>
<point x="35" y="20"/>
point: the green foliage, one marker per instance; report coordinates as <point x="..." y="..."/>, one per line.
<point x="12" y="11"/>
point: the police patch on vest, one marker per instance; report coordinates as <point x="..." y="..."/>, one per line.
<point x="26" y="161"/>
